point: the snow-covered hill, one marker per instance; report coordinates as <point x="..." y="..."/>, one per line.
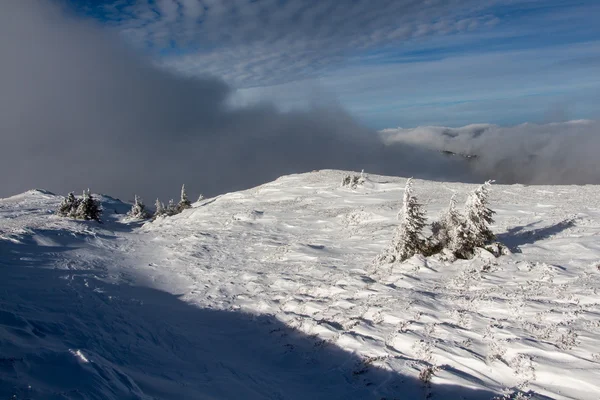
<point x="272" y="293"/>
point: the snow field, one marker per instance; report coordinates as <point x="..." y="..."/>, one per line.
<point x="301" y="250"/>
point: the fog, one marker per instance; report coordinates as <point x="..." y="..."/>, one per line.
<point x="81" y="109"/>
<point x="553" y="153"/>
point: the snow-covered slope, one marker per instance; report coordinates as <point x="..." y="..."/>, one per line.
<point x="273" y="293"/>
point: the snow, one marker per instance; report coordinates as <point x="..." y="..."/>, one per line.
<point x="273" y="293"/>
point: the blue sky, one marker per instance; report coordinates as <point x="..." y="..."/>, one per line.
<point x="389" y="62"/>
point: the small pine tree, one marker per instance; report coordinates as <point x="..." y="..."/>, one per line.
<point x="138" y="209"/>
<point x="171" y="208"/>
<point x="439" y="229"/>
<point x="408" y="240"/>
<point x="68" y="206"/>
<point x="160" y="209"/>
<point x="451" y="233"/>
<point x="353" y="181"/>
<point x="88" y="208"/>
<point x="184" y="203"/>
<point x="346" y="180"/>
<point x="201" y="197"/>
<point x="479" y="217"/>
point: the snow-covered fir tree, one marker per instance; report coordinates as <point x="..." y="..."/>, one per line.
<point x="479" y="217"/>
<point x="201" y="197"/>
<point x="160" y="209"/>
<point x="68" y="206"/>
<point x="451" y="233"/>
<point x="138" y="209"/>
<point x="88" y="208"/>
<point x="439" y="229"/>
<point x="184" y="202"/>
<point x="408" y="239"/>
<point x="353" y="181"/>
<point x="172" y="208"/>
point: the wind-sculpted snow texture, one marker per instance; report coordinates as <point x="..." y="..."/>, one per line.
<point x="274" y="293"/>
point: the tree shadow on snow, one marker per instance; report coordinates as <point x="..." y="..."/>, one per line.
<point x="518" y="236"/>
<point x="66" y="335"/>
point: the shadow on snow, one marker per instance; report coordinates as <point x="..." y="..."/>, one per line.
<point x="73" y="335"/>
<point x="518" y="236"/>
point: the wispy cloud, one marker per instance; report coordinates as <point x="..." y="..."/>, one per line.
<point x="504" y="87"/>
<point x="265" y="42"/>
<point x="390" y="62"/>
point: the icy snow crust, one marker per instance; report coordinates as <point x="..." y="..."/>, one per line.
<point x="272" y="293"/>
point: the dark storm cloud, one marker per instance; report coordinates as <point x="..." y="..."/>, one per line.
<point x="79" y="109"/>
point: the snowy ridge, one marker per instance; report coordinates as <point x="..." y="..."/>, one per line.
<point x="278" y="297"/>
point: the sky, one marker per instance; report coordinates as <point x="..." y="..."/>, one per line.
<point x="388" y="62"/>
<point x="139" y="97"/>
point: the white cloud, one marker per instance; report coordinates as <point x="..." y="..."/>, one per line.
<point x="555" y="153"/>
<point x="79" y="109"/>
<point x="546" y="85"/>
<point x="269" y="42"/>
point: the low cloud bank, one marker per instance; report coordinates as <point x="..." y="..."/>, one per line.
<point x="555" y="153"/>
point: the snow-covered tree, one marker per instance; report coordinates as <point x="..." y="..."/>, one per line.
<point x="88" y="208"/>
<point x="138" y="209"/>
<point x="451" y="233"/>
<point x="479" y="217"/>
<point x="184" y="202"/>
<point x="172" y="208"/>
<point x="353" y="181"/>
<point x="160" y="209"/>
<point x="408" y="239"/>
<point x="201" y="197"/>
<point x="68" y="206"/>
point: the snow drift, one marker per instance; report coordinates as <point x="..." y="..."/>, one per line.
<point x="272" y="293"/>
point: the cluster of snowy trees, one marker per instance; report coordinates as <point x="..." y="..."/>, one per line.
<point x="353" y="181"/>
<point x="86" y="207"/>
<point x="454" y="235"/>
<point x="173" y="208"/>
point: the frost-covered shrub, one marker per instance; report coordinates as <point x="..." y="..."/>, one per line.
<point x="172" y="208"/>
<point x="85" y="208"/>
<point x="451" y="234"/>
<point x="160" y="209"/>
<point x="88" y="208"/>
<point x="497" y="249"/>
<point x="138" y="210"/>
<point x="184" y="202"/>
<point x="353" y="181"/>
<point x="461" y="234"/>
<point x="449" y="231"/>
<point x="68" y="206"/>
